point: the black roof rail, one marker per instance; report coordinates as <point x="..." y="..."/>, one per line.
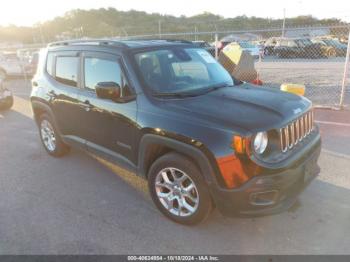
<point x="159" y="39"/>
<point x="87" y="42"/>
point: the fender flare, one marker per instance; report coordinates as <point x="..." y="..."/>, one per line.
<point x="37" y="104"/>
<point x="188" y="150"/>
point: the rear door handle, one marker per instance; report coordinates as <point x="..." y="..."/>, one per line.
<point x="87" y="106"/>
<point x="51" y="94"/>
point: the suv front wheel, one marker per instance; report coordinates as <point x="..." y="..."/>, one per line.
<point x="50" y="138"/>
<point x="178" y="190"/>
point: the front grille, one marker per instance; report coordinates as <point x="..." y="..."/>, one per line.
<point x="296" y="131"/>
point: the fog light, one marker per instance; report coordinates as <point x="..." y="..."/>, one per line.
<point x="266" y="198"/>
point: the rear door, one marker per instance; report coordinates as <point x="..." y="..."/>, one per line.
<point x="63" y="89"/>
<point x="107" y="125"/>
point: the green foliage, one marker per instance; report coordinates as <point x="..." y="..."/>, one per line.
<point x="113" y="23"/>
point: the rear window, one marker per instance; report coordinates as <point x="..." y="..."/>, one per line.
<point x="67" y="70"/>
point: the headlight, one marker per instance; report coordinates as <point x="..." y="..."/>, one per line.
<point x="260" y="142"/>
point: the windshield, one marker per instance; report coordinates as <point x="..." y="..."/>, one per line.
<point x="303" y="42"/>
<point x="246" y="45"/>
<point x="201" y="44"/>
<point x="333" y="43"/>
<point x="181" y="70"/>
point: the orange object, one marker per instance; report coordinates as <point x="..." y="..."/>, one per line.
<point x="235" y="171"/>
<point x="257" y="82"/>
<point x="239" y="144"/>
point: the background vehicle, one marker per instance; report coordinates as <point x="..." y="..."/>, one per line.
<point x="206" y="46"/>
<point x="31" y="66"/>
<point x="168" y="111"/>
<point x="10" y="65"/>
<point x="331" y="47"/>
<point x="270" y="44"/>
<point x="301" y="47"/>
<point x="253" y="50"/>
<point x="6" y="98"/>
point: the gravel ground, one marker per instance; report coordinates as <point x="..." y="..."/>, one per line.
<point x="80" y="204"/>
<point x="322" y="77"/>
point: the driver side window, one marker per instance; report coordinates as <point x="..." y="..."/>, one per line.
<point x="98" y="70"/>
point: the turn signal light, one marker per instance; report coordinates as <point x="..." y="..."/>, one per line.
<point x="240" y="144"/>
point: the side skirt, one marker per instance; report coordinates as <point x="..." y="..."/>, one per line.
<point x="101" y="151"/>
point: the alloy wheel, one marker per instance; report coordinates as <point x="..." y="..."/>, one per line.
<point x="48" y="135"/>
<point x="177" y="192"/>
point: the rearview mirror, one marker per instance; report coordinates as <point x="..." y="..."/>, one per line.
<point x="108" y="90"/>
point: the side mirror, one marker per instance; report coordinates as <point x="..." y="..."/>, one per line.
<point x="108" y="90"/>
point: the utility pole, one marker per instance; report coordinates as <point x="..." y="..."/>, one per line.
<point x="284" y="22"/>
<point x="41" y="34"/>
<point x="195" y="33"/>
<point x="160" y="28"/>
<point x="346" y="75"/>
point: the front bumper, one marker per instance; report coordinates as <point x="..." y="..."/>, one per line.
<point x="270" y="193"/>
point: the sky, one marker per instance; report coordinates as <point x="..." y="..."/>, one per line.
<point x="21" y="12"/>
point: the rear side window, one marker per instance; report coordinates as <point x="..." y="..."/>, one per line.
<point x="67" y="70"/>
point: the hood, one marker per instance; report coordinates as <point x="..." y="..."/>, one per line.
<point x="243" y="107"/>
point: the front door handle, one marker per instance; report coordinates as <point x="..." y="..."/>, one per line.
<point x="87" y="106"/>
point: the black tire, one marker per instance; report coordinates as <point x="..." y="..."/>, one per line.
<point x="60" y="148"/>
<point x="266" y="51"/>
<point x="7" y="104"/>
<point x="3" y="75"/>
<point x="331" y="53"/>
<point x="184" y="164"/>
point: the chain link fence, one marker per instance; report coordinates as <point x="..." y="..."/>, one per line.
<point x="316" y="57"/>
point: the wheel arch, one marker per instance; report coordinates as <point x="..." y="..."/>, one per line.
<point x="39" y="107"/>
<point x="153" y="146"/>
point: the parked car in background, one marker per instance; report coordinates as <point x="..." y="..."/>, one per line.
<point x="10" y="65"/>
<point x="6" y="98"/>
<point x="253" y="50"/>
<point x="261" y="46"/>
<point x="300" y="47"/>
<point x="270" y="44"/>
<point x="331" y="47"/>
<point x="206" y="46"/>
<point x="31" y="65"/>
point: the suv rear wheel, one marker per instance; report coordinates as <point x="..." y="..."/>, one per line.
<point x="178" y="190"/>
<point x="50" y="138"/>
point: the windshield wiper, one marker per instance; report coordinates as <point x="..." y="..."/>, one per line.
<point x="202" y="91"/>
<point x="176" y="95"/>
<point x="215" y="87"/>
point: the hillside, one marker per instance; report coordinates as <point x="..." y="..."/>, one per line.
<point x="111" y="22"/>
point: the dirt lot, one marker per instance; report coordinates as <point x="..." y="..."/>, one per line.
<point x="82" y="205"/>
<point x="322" y="77"/>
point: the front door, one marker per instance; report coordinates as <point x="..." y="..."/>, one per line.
<point x="107" y="125"/>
